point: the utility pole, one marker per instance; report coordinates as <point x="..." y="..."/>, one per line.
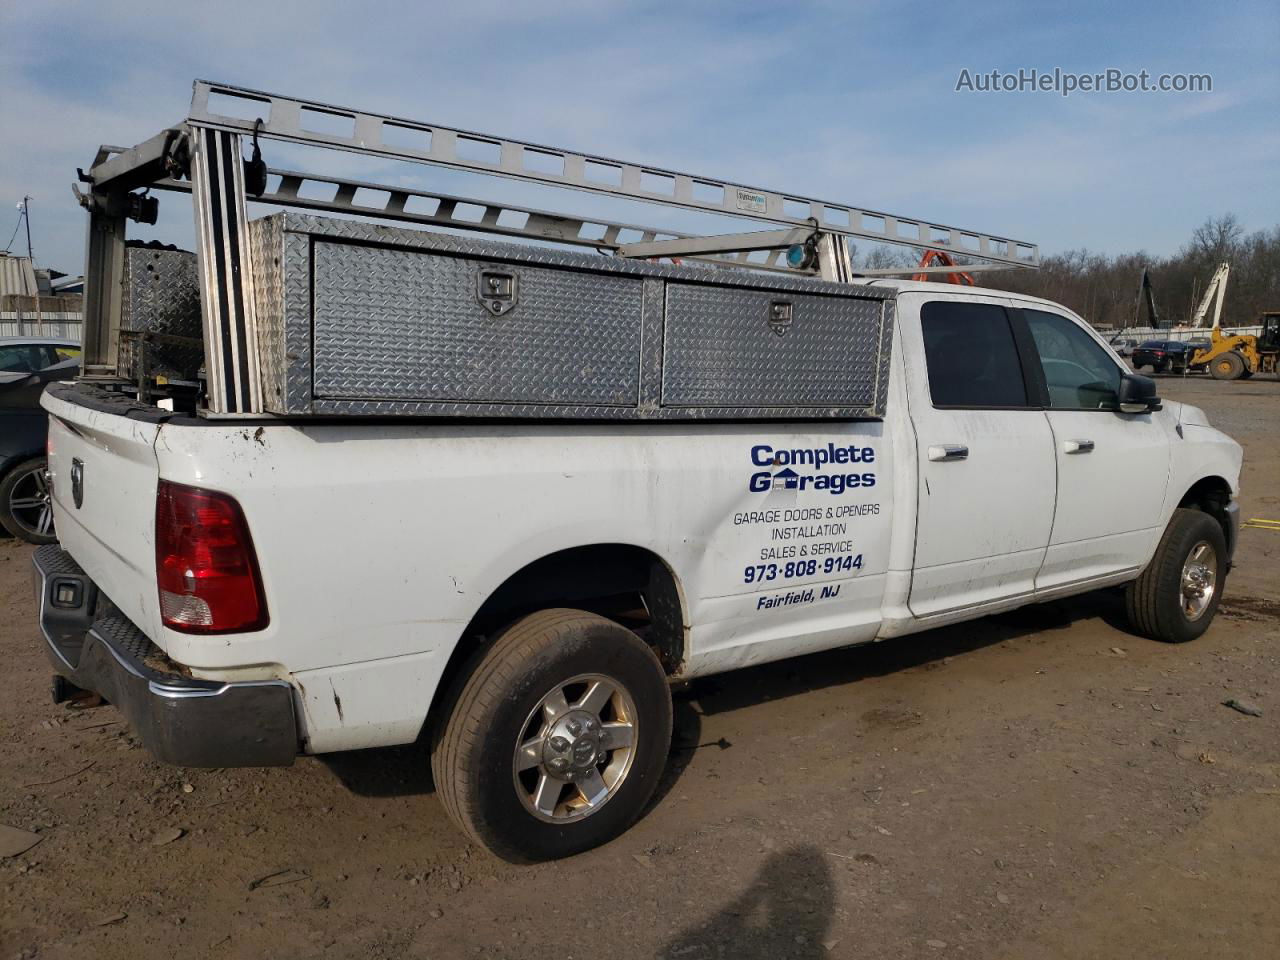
<point x="31" y="258"/>
<point x="26" y="215"/>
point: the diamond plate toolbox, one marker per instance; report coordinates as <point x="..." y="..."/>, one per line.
<point x="365" y="320"/>
<point x="161" y="332"/>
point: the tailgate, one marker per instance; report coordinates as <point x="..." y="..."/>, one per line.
<point x="111" y="530"/>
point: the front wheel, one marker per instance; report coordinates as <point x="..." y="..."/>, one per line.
<point x="26" y="504"/>
<point x="1177" y="596"/>
<point x="557" y="738"/>
<point x="1227" y="366"/>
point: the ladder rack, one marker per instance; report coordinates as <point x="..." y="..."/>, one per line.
<point x="288" y="118"/>
<point x="204" y="155"/>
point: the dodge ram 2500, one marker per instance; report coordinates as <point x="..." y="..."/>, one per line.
<point x="523" y="593"/>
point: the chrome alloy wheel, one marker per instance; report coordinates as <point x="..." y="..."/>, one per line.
<point x="575" y="748"/>
<point x="30" y="503"/>
<point x="1199" y="580"/>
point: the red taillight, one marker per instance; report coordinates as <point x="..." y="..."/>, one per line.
<point x="205" y="564"/>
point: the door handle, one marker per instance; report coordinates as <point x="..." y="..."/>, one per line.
<point x="948" y="451"/>
<point x="1077" y="446"/>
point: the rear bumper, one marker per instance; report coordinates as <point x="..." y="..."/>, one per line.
<point x="181" y="720"/>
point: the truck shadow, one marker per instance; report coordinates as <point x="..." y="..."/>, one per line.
<point x="785" y="912"/>
<point x="786" y="678"/>
<point x="384" y="771"/>
<point x="848" y="665"/>
<point x="406" y="770"/>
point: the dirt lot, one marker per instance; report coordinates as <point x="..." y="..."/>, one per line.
<point x="1028" y="786"/>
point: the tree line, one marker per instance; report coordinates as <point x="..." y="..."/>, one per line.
<point x="1105" y="289"/>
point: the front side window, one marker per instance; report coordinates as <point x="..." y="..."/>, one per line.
<point x="1079" y="373"/>
<point x="971" y="356"/>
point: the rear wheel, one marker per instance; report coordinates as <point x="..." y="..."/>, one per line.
<point x="26" y="504"/>
<point x="1227" y="366"/>
<point x="557" y="738"/>
<point x="1177" y="596"/>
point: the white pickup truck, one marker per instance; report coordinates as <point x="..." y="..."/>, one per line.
<point x="522" y="593"/>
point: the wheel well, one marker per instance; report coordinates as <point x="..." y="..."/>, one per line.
<point x="10" y="460"/>
<point x="1210" y="495"/>
<point x="620" y="581"/>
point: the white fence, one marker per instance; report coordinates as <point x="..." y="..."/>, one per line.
<point x="1155" y="333"/>
<point x="24" y="323"/>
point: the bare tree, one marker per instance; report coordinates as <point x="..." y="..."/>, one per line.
<point x="1104" y="289"/>
<point x="1217" y="237"/>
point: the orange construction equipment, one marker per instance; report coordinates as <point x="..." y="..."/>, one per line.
<point x="942" y="259"/>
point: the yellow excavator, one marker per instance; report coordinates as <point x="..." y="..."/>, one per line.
<point x="1232" y="356"/>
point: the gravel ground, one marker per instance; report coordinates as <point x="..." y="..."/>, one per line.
<point x="1040" y="784"/>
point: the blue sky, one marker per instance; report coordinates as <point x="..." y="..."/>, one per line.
<point x="848" y="102"/>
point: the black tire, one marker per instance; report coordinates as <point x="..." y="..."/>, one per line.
<point x="1227" y="366"/>
<point x="28" y="523"/>
<point x="1155" y="601"/>
<point x="474" y="749"/>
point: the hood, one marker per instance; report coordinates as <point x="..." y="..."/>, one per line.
<point x="1190" y="416"/>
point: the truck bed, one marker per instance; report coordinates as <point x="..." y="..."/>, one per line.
<point x="379" y="541"/>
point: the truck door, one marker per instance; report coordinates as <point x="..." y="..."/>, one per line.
<point x="985" y="454"/>
<point x="1112" y="467"/>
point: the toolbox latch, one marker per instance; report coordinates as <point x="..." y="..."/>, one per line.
<point x="497" y="291"/>
<point x="780" y="316"/>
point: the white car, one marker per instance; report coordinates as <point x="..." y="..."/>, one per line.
<point x="1123" y="346"/>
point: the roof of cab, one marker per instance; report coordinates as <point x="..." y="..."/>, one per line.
<point x="921" y="286"/>
<point x="48" y="341"/>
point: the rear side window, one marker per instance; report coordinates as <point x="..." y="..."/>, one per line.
<point x="23" y="358"/>
<point x="1078" y="372"/>
<point x="971" y="356"/>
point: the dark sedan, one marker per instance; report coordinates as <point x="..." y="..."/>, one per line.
<point x="1162" y="356"/>
<point x="27" y="364"/>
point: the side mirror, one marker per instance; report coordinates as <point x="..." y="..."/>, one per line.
<point x="1138" y="394"/>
